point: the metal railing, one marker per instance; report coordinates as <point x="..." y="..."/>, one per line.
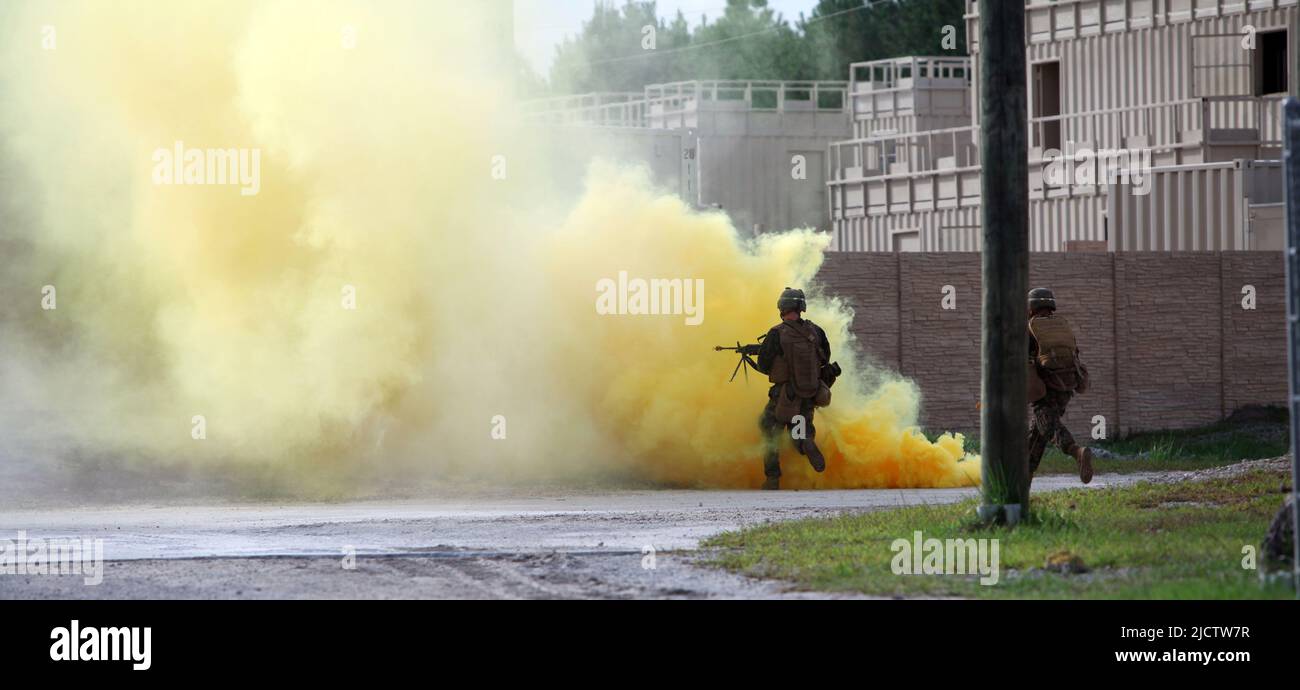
<point x="1163" y="125"/>
<point x="614" y="108"/>
<point x="579" y="101"/>
<point x="900" y="154"/>
<point x="660" y="103"/>
<point x="778" y="96"/>
<point x="1156" y="127"/>
<point x="1159" y="123"/>
<point x="890" y="74"/>
<point x="906" y="86"/>
<point x="1260" y="113"/>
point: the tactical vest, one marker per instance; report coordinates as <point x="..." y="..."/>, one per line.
<point x="1056" y="350"/>
<point x="801" y="362"/>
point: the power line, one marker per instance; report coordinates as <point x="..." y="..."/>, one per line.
<point x="729" y="39"/>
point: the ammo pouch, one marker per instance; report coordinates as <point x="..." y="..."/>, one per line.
<point x="829" y="373"/>
<point x="823" y="395"/>
<point x="1035" y="389"/>
<point x="787" y="403"/>
<point x="1064" y="380"/>
<point x="1081" y="378"/>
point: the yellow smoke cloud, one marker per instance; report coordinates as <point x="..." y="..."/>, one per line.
<point x="474" y="295"/>
<point x="654" y="383"/>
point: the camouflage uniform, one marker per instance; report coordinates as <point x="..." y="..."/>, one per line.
<point x="1045" y="426"/>
<point x="1062" y="374"/>
<point x="772" y="427"/>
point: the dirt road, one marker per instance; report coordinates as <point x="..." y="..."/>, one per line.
<point x="621" y="544"/>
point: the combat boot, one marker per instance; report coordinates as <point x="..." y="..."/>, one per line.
<point x="815" y="458"/>
<point x="1083" y="456"/>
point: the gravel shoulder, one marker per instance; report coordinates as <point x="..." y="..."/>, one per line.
<point x="624" y="544"/>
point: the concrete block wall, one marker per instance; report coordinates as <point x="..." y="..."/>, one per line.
<point x="869" y="284"/>
<point x="1166" y="339"/>
<point x="941" y="347"/>
<point x="1254" y="347"/>
<point x="1169" y="335"/>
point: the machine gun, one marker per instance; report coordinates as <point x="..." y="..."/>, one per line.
<point x="828" y="373"/>
<point x="746" y="353"/>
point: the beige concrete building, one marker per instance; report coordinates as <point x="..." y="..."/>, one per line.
<point x="754" y="149"/>
<point x="1154" y="125"/>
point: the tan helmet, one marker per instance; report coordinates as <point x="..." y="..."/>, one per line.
<point x="1041" y="298"/>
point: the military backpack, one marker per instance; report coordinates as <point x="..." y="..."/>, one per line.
<point x="1055" y="358"/>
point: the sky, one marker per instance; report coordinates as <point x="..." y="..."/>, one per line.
<point x="540" y="25"/>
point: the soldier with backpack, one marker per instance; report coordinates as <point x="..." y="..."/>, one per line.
<point x="795" y="354"/>
<point x="1060" y="374"/>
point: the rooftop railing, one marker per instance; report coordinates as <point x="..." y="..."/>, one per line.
<point x="778" y="96"/>
<point x="899" y="73"/>
<point x="625" y="108"/>
<point x="579" y="101"/>
<point x="662" y="102"/>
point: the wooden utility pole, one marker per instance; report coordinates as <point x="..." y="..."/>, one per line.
<point x="1004" y="215"/>
<point x="1291" y="186"/>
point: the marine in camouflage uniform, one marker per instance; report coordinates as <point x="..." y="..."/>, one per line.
<point x="1046" y="427"/>
<point x="792" y="354"/>
<point x="1060" y="384"/>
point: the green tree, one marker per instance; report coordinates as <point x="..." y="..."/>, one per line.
<point x="528" y="84"/>
<point x="607" y="55"/>
<point x="748" y="41"/>
<point x="838" y="33"/>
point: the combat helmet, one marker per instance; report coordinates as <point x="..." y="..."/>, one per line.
<point x="1041" y="298"/>
<point x="791" y="300"/>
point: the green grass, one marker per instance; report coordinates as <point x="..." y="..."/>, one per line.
<point x="1250" y="434"/>
<point x="1162" y="541"/>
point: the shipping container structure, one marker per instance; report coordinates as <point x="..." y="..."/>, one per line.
<point x="1154" y="125"/>
<point x="911" y="94"/>
<point x="754" y="149"/>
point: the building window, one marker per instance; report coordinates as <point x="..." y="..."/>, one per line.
<point x="1046" y="134"/>
<point x="1270" y="63"/>
<point x="906" y="240"/>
